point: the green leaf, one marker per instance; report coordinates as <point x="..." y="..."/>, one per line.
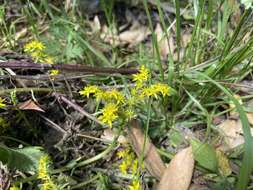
<point x="26" y="159"/>
<point x="204" y="154"/>
<point x="73" y="51"/>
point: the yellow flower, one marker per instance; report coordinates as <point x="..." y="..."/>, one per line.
<point x="46" y="186"/>
<point x="87" y="90"/>
<point x="109" y="114"/>
<point x="154" y="90"/>
<point x="33" y="46"/>
<point x="134" y="167"/>
<point x="54" y="72"/>
<point x="114" y="95"/>
<point x="128" y="162"/>
<point x="43" y="165"/>
<point x="36" y="50"/>
<point x="135" y="185"/>
<point x="49" y="185"/>
<point x="124" y="167"/>
<point x="162" y="88"/>
<point x="123" y="153"/>
<point x="2" y="104"/>
<point x="141" y="77"/>
<point x="14" y="188"/>
<point x="129" y="159"/>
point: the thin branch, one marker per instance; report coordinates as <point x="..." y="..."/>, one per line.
<point x="13" y="64"/>
<point x="7" y="91"/>
<point x="78" y="108"/>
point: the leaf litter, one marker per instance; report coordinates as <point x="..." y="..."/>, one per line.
<point x="168" y="172"/>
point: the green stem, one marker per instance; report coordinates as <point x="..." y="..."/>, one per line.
<point x="79" y="185"/>
<point x="146" y="132"/>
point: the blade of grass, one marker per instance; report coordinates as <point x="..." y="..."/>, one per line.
<point x="170" y="57"/>
<point x="190" y="53"/>
<point x="247" y="164"/>
<point x="205" y="112"/>
<point x="178" y="27"/>
<point x="154" y="40"/>
<point x="223" y="21"/>
<point x="95" y="52"/>
<point x="232" y="40"/>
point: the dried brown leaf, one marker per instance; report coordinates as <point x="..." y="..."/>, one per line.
<point x="250" y="117"/>
<point x="152" y="160"/>
<point x="232" y="132"/>
<point x="136" y="34"/>
<point x="30" y="105"/>
<point x="179" y="172"/>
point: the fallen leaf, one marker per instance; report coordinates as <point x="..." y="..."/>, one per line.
<point x="136" y="34"/>
<point x="231" y="130"/>
<point x="178" y="174"/>
<point x="152" y="160"/>
<point x="250" y="117"/>
<point x="30" y="105"/>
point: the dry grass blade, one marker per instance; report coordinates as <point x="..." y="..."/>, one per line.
<point x="152" y="160"/>
<point x="178" y="174"/>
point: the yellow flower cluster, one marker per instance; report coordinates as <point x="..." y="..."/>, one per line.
<point x="117" y="105"/>
<point x="2" y="104"/>
<point x="43" y="174"/>
<point x="154" y="90"/>
<point x="34" y="46"/>
<point x="49" y="185"/>
<point x="43" y="167"/>
<point x="129" y="163"/>
<point x="54" y="72"/>
<point x="115" y="96"/>
<point x="88" y="90"/>
<point x="36" y="50"/>
<point x="109" y="114"/>
<point x="141" y="77"/>
<point x="135" y="185"/>
<point x="113" y="99"/>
